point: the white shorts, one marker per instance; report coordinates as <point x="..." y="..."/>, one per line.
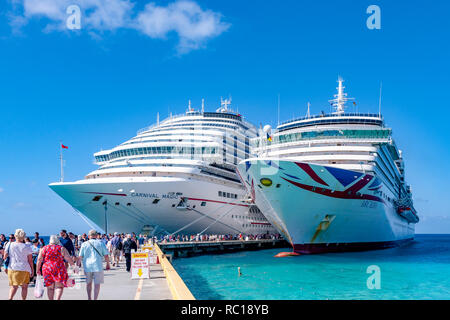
<point x="97" y="277"/>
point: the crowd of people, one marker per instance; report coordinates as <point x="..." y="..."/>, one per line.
<point x="23" y="259"/>
<point x="216" y="237"/>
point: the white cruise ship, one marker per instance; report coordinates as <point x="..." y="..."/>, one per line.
<point x="332" y="182"/>
<point x="176" y="177"/>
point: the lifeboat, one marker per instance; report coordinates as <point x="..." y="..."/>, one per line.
<point x="286" y="254"/>
<point x="408" y="213"/>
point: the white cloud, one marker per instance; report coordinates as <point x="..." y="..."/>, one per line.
<point x="192" y="24"/>
<point x="97" y="14"/>
<point x="185" y="18"/>
<point x="1" y="189"/>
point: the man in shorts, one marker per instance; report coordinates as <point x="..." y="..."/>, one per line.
<point x="92" y="253"/>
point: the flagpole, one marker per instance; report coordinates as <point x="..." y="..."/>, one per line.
<point x="61" y="159"/>
<point x="278" y="123"/>
<point x="379" y="103"/>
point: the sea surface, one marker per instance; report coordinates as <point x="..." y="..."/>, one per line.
<point x="419" y="270"/>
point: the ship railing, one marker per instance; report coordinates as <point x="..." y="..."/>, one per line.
<point x="328" y="115"/>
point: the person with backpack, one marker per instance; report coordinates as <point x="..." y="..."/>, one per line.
<point x="117" y="246"/>
<point x="128" y="245"/>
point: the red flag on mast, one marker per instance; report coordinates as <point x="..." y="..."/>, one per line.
<point x="64" y="147"/>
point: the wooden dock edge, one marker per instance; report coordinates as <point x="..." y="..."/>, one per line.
<point x="177" y="286"/>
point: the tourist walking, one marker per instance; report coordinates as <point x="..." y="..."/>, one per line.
<point x="92" y="253"/>
<point x="20" y="268"/>
<point x="51" y="258"/>
<point x="128" y="245"/>
<point x="116" y="245"/>
<point x="74" y="242"/>
<point x="35" y="252"/>
<point x="3" y="243"/>
<point x="67" y="243"/>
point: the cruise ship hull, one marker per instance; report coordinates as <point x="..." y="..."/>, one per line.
<point x="160" y="205"/>
<point x="325" y="209"/>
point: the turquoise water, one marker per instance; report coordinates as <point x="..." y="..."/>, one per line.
<point x="419" y="270"/>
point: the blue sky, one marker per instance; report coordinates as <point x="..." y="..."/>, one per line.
<point x="95" y="87"/>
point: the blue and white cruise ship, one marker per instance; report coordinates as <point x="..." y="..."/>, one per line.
<point x="176" y="177"/>
<point x="332" y="182"/>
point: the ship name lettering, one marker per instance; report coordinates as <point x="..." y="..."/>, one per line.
<point x="144" y="195"/>
<point x="170" y="196"/>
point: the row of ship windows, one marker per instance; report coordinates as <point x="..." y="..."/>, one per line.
<point x="105" y="167"/>
<point x="227" y="195"/>
<point x="209" y="115"/>
<point x="156" y="150"/>
<point x="326" y="134"/>
<point x="288" y="151"/>
<point x="203" y="204"/>
<point x="193" y="138"/>
<point x="152" y="157"/>
<point x="166" y="140"/>
<point x="173" y="149"/>
<point x="195" y="156"/>
<point x="248" y="218"/>
<point x="349" y="114"/>
<point x="192" y="131"/>
<point x="256" y="225"/>
<point x="226" y="145"/>
<point x="332" y="121"/>
<point x="204" y="125"/>
<point x="254" y="210"/>
<point x="236" y="122"/>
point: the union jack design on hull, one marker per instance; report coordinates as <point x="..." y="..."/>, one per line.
<point x="326" y="209"/>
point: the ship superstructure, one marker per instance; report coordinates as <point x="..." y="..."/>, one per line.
<point x="175" y="177"/>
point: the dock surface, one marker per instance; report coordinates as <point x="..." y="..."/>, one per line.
<point x="190" y="248"/>
<point x="118" y="286"/>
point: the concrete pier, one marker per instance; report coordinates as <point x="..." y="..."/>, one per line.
<point x="185" y="249"/>
<point x="118" y="286"/>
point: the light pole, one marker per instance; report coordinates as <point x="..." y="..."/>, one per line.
<point x="105" y="203"/>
